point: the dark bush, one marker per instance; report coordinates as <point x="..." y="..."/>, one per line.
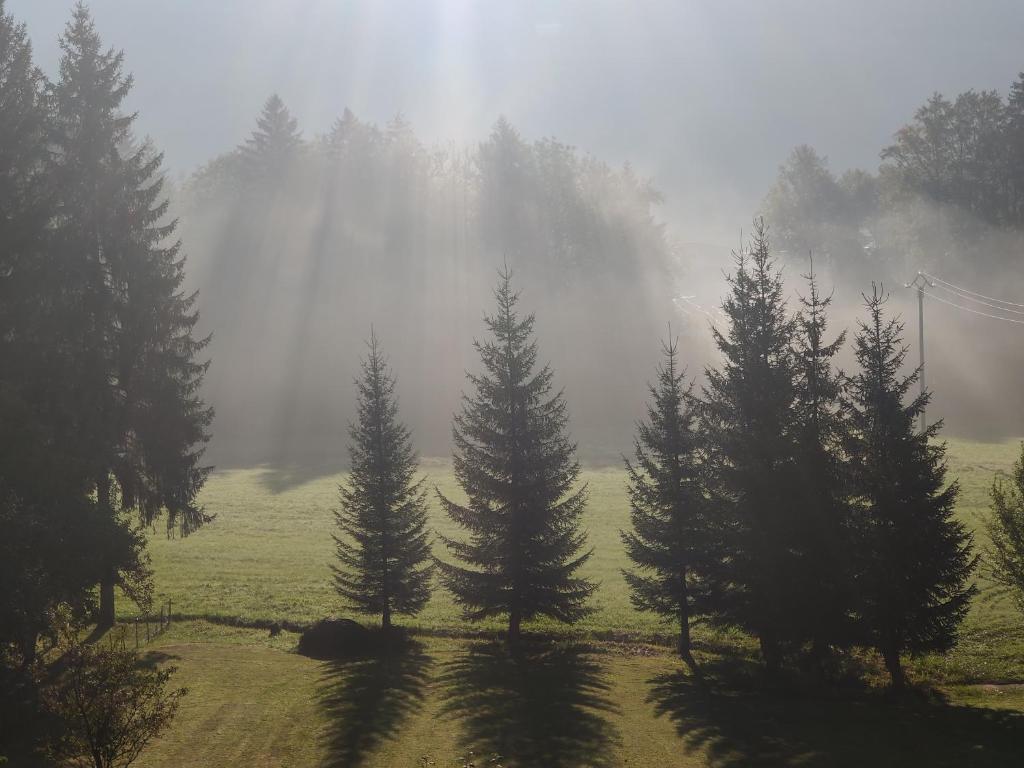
<point x="337" y="639"/>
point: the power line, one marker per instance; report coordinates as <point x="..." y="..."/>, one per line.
<point x="960" y="295"/>
<point x="972" y="311"/>
<point x="972" y="293"/>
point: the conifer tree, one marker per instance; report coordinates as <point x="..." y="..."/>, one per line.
<point x="267" y="153"/>
<point x="748" y="414"/>
<point x="384" y="549"/>
<point x="517" y="467"/>
<point x="671" y="537"/>
<point x="913" y="586"/>
<point x="141" y="425"/>
<point x="1006" y="530"/>
<point x="822" y="490"/>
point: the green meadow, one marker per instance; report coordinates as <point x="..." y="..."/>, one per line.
<point x="607" y="691"/>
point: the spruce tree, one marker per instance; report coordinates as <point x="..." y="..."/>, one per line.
<point x="822" y="491"/>
<point x="748" y="414"/>
<point x="517" y="468"/>
<point x="141" y="425"/>
<point x="913" y="588"/>
<point x="268" y="152"/>
<point x="1005" y="528"/>
<point x="671" y="537"/>
<point x="384" y="549"/>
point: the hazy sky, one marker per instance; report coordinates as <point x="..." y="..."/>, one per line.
<point x="706" y="97"/>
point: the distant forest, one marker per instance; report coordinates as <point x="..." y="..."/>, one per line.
<point x="298" y="244"/>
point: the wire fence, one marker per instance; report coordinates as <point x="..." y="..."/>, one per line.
<point x="141" y="630"/>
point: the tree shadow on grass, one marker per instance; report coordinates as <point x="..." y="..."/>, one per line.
<point x="744" y="725"/>
<point x="368" y="698"/>
<point x="542" y="705"/>
<point x="278" y="478"/>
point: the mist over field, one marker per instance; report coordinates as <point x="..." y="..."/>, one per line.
<point x="612" y="154"/>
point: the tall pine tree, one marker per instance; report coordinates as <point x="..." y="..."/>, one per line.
<point x="913" y="585"/>
<point x="384" y="548"/>
<point x="672" y="536"/>
<point x="269" y="151"/>
<point x="748" y="413"/>
<point x="824" y="612"/>
<point x="516" y="465"/>
<point x="141" y="424"/>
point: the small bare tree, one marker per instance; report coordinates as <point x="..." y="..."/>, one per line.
<point x="111" y="706"/>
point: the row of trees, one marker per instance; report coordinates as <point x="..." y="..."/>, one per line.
<point x="786" y="499"/>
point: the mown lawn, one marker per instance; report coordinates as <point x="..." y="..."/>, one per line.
<point x="605" y="693"/>
<point x="268" y="556"/>
<point x="457" y="702"/>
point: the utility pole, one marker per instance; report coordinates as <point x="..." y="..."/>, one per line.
<point x="920" y="282"/>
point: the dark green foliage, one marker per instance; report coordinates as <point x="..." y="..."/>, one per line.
<point x="912" y="581"/>
<point x="51" y="557"/>
<point x="1006" y="529"/>
<point x="748" y="412"/>
<point x="821" y="432"/>
<point x="672" y="534"/>
<point x="384" y="549"/>
<point x="142" y="419"/>
<point x="517" y="468"/>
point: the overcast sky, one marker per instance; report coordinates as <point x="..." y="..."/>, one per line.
<point x="705" y="97"/>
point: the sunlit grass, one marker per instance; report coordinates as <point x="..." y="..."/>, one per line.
<point x="268" y="557"/>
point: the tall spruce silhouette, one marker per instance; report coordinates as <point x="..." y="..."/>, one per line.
<point x="384" y="549"/>
<point x="517" y="467"/>
<point x="747" y="409"/>
<point x="821" y="431"/>
<point x="671" y="536"/>
<point x="141" y="425"/>
<point x="913" y="585"/>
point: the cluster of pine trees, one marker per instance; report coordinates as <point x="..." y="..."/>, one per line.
<point x="786" y="499"/>
<point x="101" y="418"/>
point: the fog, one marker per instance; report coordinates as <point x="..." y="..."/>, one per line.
<point x="670" y="122"/>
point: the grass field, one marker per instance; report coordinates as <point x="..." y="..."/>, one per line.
<point x="607" y="692"/>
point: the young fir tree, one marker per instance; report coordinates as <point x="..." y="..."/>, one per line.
<point x="671" y="537"/>
<point x="913" y="586"/>
<point x="1006" y="529"/>
<point x="748" y="410"/>
<point x="820" y="425"/>
<point x="517" y="468"/>
<point x="384" y="550"/>
<point x="141" y="425"/>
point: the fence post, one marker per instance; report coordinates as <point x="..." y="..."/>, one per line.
<point x="168" y="611"/>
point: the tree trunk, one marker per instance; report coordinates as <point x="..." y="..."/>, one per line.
<point x="895" y="668"/>
<point x="770" y="654"/>
<point x="385" y="620"/>
<point x="514" y="620"/>
<point x="106" y="617"/>
<point x="685" y="647"/>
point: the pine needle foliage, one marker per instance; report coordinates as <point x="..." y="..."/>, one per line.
<point x="518" y="469"/>
<point x="1005" y="528"/>
<point x="384" y="546"/>
<point x="671" y="536"/>
<point x="821" y="433"/>
<point x="747" y="412"/>
<point x="913" y="581"/>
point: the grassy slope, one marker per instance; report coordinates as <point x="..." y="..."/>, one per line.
<point x="268" y="556"/>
